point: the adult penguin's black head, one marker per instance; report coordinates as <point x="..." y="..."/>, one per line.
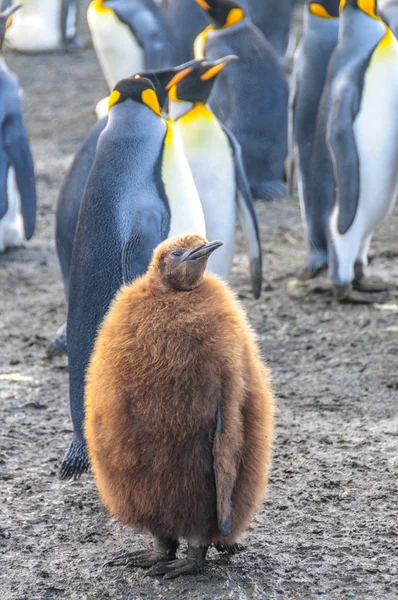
<point x="6" y="20"/>
<point x="223" y="13"/>
<point x="162" y="77"/>
<point x="325" y="9"/>
<point x="139" y="90"/>
<point x="194" y="84"/>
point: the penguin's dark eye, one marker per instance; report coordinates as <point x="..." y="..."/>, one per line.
<point x="177" y="253"/>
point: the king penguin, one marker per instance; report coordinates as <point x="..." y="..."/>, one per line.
<point x="215" y="159"/>
<point x="139" y="192"/>
<point x="71" y="194"/>
<point x="273" y="18"/>
<point x="43" y="26"/>
<point x="186" y="20"/>
<point x="17" y="178"/>
<point x="362" y="136"/>
<point x="129" y="36"/>
<point x="311" y="59"/>
<point x="251" y="96"/>
<point x="388" y="11"/>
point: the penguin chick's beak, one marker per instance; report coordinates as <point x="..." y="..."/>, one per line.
<point x="203" y="4"/>
<point x="203" y="251"/>
<point x="218" y="66"/>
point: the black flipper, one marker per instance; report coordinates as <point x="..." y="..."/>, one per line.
<point x="290" y="160"/>
<point x="344" y="154"/>
<point x="16" y="145"/>
<point x="4" y="165"/>
<point x="137" y="252"/>
<point x="248" y="215"/>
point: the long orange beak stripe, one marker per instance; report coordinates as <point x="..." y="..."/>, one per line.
<point x="178" y="77"/>
<point x="203" y="4"/>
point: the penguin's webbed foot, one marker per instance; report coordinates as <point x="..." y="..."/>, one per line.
<point x="315" y="263"/>
<point x="345" y="294"/>
<point x="184" y="566"/>
<point x="163" y="551"/>
<point x="372" y="285"/>
<point x="75" y="461"/>
<point x="269" y="190"/>
<point x="59" y="346"/>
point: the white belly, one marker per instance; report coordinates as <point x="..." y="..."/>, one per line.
<point x="36" y="27"/>
<point x="11" y="225"/>
<point x="376" y="134"/>
<point x="117" y="50"/>
<point x="210" y="158"/>
<point x="185" y="208"/>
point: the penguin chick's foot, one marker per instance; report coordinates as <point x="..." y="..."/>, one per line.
<point x="59" y="346"/>
<point x="163" y="550"/>
<point x="185" y="566"/>
<point x="344" y="293"/>
<point x="228" y="549"/>
<point x="75" y="461"/>
<point x="269" y="190"/>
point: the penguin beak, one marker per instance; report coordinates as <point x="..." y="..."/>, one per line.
<point x="218" y="66"/>
<point x="202" y="251"/>
<point x="203" y="4"/>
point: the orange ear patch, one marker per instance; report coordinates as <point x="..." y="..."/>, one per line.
<point x="113" y="99"/>
<point x="151" y="100"/>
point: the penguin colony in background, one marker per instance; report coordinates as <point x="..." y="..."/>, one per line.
<point x="195" y="126"/>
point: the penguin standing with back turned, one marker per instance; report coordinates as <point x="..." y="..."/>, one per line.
<point x="362" y="135"/>
<point x="179" y="411"/>
<point x="251" y="96"/>
<point x="132" y="201"/>
<point x="17" y="177"/>
<point x="215" y="159"/>
<point x="311" y="59"/>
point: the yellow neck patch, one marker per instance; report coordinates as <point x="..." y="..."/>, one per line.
<point x="99" y="6"/>
<point x="197" y="112"/>
<point x="113" y="99"/>
<point x="234" y="16"/>
<point x="151" y="100"/>
<point x="387" y="40"/>
<point x="173" y="94"/>
<point x="199" y="44"/>
<point x="319" y="11"/>
<point x="366" y="6"/>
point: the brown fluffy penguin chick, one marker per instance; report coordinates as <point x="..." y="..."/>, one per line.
<point x="179" y="410"/>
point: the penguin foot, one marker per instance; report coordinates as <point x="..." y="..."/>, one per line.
<point x="269" y="190"/>
<point x="344" y="293"/>
<point x="372" y="285"/>
<point x="315" y="263"/>
<point x="75" y="461"/>
<point x="58" y="347"/>
<point x="73" y="44"/>
<point x="230" y="549"/>
<point x="184" y="566"/>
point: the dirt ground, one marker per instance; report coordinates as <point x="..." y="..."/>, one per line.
<point x="329" y="525"/>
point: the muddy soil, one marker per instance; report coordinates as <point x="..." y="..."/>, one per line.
<point x="328" y="527"/>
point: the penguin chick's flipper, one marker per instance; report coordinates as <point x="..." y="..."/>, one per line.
<point x="59" y="346"/>
<point x="16" y="145"/>
<point x="163" y="550"/>
<point x="343" y="149"/>
<point x="270" y="190"/>
<point x="248" y="216"/>
<point x="225" y="472"/>
<point x="149" y="29"/>
<point x="75" y="461"/>
<point x="184" y="566"/>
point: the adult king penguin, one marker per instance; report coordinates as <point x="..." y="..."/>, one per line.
<point x="179" y="409"/>
<point x="251" y="97"/>
<point x="139" y="192"/>
<point x="44" y="25"/>
<point x="215" y="159"/>
<point x="388" y="11"/>
<point x="362" y="135"/>
<point x="186" y="20"/>
<point x="311" y="59"/>
<point x="17" y="178"/>
<point x="129" y="36"/>
<point x="273" y="18"/>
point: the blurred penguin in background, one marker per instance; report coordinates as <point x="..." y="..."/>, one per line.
<point x="388" y="11"/>
<point x="43" y="26"/>
<point x="311" y="59"/>
<point x="251" y="96"/>
<point x="186" y="20"/>
<point x="17" y="178"/>
<point x="273" y="18"/>
<point x="129" y="36"/>
<point x="215" y="159"/>
<point x="355" y="176"/>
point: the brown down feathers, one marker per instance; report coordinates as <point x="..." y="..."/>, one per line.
<point x="161" y="359"/>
